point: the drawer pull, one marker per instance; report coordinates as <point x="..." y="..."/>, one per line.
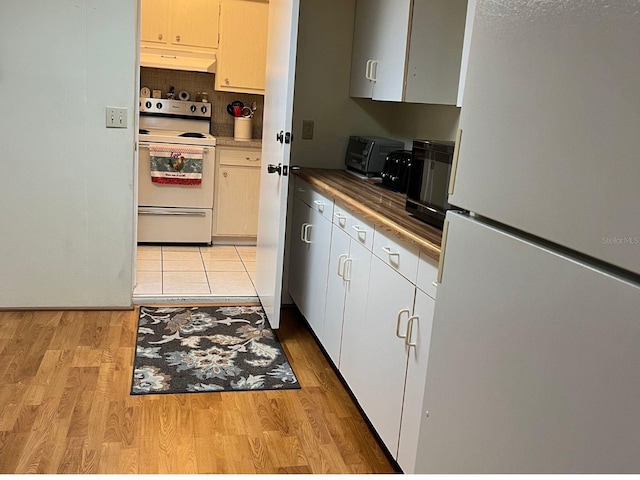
<point x="389" y="252"/>
<point x="404" y="310"/>
<point x="146" y="145"/>
<point x="320" y="205"/>
<point x="360" y="231"/>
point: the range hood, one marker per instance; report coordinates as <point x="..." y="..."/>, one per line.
<point x="177" y="60"/>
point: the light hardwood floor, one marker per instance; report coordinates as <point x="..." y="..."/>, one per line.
<point x="65" y="408"/>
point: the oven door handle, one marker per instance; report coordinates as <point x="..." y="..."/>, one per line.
<point x="171" y="212"/>
<point x="146" y="145"/>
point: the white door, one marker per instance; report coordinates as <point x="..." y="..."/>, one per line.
<point x="533" y="364"/>
<point x="278" y="112"/>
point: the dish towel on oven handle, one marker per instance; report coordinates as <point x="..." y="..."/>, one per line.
<point x="176" y="164"/>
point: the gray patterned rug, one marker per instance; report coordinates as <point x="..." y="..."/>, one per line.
<point x="208" y="349"/>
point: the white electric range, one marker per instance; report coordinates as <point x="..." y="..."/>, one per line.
<point x="175" y="212"/>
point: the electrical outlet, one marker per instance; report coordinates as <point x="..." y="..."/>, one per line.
<point x="307" y="129"/>
<point x="116" y="117"/>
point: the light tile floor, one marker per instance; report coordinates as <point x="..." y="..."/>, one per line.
<point x="218" y="270"/>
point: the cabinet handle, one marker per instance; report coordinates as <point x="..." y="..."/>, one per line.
<point x="160" y="37"/>
<point x="348" y="261"/>
<point x="302" y="231"/>
<point x="404" y="310"/>
<point x="320" y="205"/>
<point x="367" y="70"/>
<point x="388" y="251"/>
<point x="342" y="219"/>
<point x="374" y="68"/>
<point x="257" y="159"/>
<point x="305" y="235"/>
<point x="177" y="38"/>
<point x="224" y="174"/>
<point x="360" y="231"/>
<point x="340" y="259"/>
<point x="407" y="339"/>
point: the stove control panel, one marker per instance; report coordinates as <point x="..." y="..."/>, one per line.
<point x="179" y="108"/>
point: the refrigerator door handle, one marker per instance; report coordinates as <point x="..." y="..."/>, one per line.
<point x="445" y="231"/>
<point x="454" y="162"/>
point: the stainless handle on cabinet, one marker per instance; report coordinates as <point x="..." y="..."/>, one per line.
<point x="404" y="310"/>
<point x="367" y="70"/>
<point x="374" y="68"/>
<point x="302" y="231"/>
<point x="168" y="212"/>
<point x="407" y="339"/>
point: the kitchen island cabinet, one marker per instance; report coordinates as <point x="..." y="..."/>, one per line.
<point x="378" y="278"/>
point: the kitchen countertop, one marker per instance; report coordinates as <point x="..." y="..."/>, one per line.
<point x="230" y="142"/>
<point x="384" y="208"/>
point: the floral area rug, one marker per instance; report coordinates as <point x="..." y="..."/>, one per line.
<point x="208" y="349"/>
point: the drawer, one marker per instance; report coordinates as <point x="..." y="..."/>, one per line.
<point x="357" y="228"/>
<point x="427" y="275"/>
<point x="398" y="256"/>
<point x="314" y="199"/>
<point x="246" y="158"/>
<point x="174" y="225"/>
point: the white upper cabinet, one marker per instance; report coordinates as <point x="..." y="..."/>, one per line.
<point x="242" y="57"/>
<point x="408" y="50"/>
<point x="180" y="24"/>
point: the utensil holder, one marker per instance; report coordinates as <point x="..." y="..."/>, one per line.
<point x="242" y="128"/>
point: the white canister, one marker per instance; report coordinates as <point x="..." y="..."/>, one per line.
<point x="242" y="128"/>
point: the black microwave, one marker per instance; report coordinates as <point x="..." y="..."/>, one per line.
<point x="428" y="189"/>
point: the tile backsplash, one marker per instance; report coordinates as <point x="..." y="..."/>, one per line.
<point x="192" y="82"/>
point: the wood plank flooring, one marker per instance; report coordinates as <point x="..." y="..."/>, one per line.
<point x="65" y="408"/>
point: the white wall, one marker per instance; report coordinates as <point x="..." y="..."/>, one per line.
<point x="66" y="186"/>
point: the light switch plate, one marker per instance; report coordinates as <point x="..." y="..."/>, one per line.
<point x="307" y="129"/>
<point x="116" y="117"/>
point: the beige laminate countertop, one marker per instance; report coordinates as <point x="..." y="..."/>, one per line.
<point x="384" y="208"/>
<point x="230" y="142"/>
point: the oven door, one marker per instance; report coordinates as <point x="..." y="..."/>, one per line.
<point x="152" y="194"/>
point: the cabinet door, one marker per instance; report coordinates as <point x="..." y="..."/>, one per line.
<point x="238" y="194"/>
<point x="194" y="23"/>
<point x="352" y="367"/>
<point x="334" y="310"/>
<point x="298" y="270"/>
<point x="243" y="46"/>
<point x="366" y="29"/>
<point x="383" y="362"/>
<point x="154" y="21"/>
<point x="420" y="330"/>
<point x="391" y="49"/>
<point x="317" y="264"/>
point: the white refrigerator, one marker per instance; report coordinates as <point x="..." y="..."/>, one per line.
<point x="534" y="365"/>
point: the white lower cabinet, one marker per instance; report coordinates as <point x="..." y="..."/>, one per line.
<point x="363" y="295"/>
<point x="418" y="354"/>
<point x="310" y="261"/>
